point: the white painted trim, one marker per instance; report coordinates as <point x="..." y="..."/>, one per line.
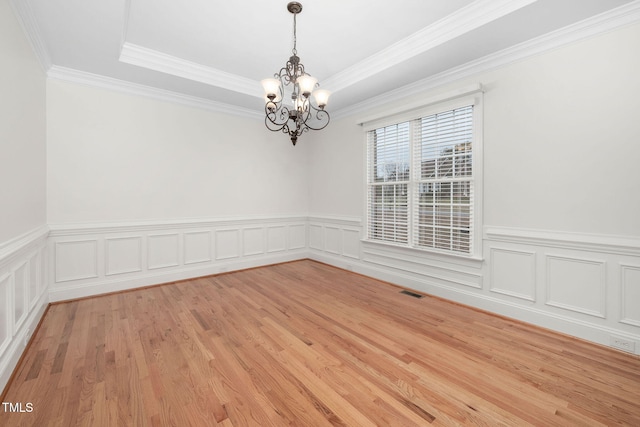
<point x="460" y="22"/>
<point x="532" y="273"/>
<point x="621" y="245"/>
<point x="157" y="277"/>
<point x="17" y="257"/>
<point x="421" y="103"/>
<point x="599" y="24"/>
<point x="11" y="247"/>
<point x="22" y="10"/>
<point x="10" y="358"/>
<point x="219" y="257"/>
<point x="601" y="312"/>
<point x="59" y="277"/>
<point x="164" y="63"/>
<point x="623" y="267"/>
<point x="57" y="230"/>
<point x="349" y="221"/>
<point x="94" y="80"/>
<point x="107" y="250"/>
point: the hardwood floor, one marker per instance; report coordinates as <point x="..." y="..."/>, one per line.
<point x="306" y="344"/>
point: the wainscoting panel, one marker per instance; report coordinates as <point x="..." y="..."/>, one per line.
<point x="513" y="273"/>
<point x="76" y="260"/>
<point x="6" y="312"/>
<point x="336" y="239"/>
<point x="23" y="294"/>
<point x="227" y="243"/>
<point x="123" y="255"/>
<point x="298" y="236"/>
<point x="316" y="237"/>
<point x="34" y="279"/>
<point x="92" y="260"/>
<point x="630" y="300"/>
<point x="197" y="247"/>
<point x="333" y="240"/>
<point x="584" y="285"/>
<point x="351" y="242"/>
<point x="20" y="294"/>
<point x="164" y="251"/>
<point x="577" y="284"/>
<point x="276" y="239"/>
<point x="253" y="241"/>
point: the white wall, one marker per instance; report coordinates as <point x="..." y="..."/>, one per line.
<point x="22" y="131"/>
<point x="23" y="231"/>
<point x="561" y="241"/>
<point x="116" y="157"/>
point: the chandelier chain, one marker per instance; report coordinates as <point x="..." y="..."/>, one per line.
<point x="294" y="51"/>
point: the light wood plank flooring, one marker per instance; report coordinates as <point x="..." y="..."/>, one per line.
<point x="306" y="344"/>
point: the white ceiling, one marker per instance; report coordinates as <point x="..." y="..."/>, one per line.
<point x="218" y="51"/>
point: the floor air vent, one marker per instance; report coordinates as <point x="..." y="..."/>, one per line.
<point x="411" y="294"/>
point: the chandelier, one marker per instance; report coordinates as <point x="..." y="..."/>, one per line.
<point x="288" y="107"/>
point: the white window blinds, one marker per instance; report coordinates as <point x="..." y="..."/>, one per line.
<point x="421" y="182"/>
<point x="389" y="160"/>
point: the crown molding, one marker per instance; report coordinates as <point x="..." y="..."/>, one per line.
<point x="159" y="61"/>
<point x="599" y="24"/>
<point x="94" y="80"/>
<point x="22" y="10"/>
<point x="468" y="18"/>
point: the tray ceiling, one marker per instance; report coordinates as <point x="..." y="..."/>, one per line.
<point x="217" y="52"/>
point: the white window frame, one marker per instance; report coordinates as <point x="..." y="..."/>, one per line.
<point x="471" y="95"/>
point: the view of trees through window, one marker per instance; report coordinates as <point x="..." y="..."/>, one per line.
<point x="421" y="182"/>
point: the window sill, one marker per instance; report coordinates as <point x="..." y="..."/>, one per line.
<point x="419" y="253"/>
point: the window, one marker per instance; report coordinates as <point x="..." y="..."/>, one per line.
<point x="421" y="182"/>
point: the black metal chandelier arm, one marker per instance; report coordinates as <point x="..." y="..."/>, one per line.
<point x="273" y="125"/>
<point x="319" y="115"/>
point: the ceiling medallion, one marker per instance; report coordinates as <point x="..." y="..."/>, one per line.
<point x="288" y="107"/>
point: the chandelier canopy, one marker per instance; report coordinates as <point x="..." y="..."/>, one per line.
<point x="288" y="107"/>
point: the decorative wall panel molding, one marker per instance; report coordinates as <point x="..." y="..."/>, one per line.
<point x="577" y="284"/>
<point x="276" y="238"/>
<point x="513" y="273"/>
<point x="298" y="236"/>
<point x="97" y="259"/>
<point x="333" y="240"/>
<point x="316" y="237"/>
<point x="163" y="251"/>
<point x="253" y="241"/>
<point x="6" y="312"/>
<point x="23" y="294"/>
<point x="227" y="243"/>
<point x="585" y="285"/>
<point x="197" y="247"/>
<point x="20" y="294"/>
<point x="76" y="260"/>
<point x="630" y="294"/>
<point x="123" y="255"/>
